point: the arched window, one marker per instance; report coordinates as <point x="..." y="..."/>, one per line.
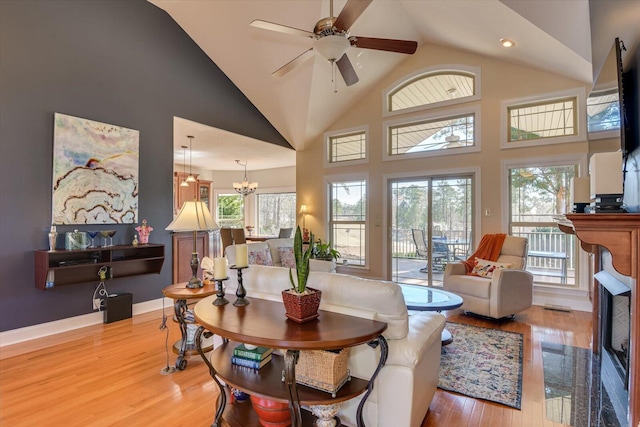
<point x="433" y="87"/>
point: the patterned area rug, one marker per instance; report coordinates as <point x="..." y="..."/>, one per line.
<point x="483" y="363"/>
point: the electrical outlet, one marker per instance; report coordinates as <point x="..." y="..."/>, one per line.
<point x="96" y="303"/>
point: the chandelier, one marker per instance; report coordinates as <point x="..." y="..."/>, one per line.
<point x="245" y="187"/>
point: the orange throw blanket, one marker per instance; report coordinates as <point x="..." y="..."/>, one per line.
<point x="489" y="249"/>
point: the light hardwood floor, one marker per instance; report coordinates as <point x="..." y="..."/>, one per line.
<point x="109" y="375"/>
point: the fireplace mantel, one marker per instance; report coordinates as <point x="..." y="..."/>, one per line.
<point x="620" y="234"/>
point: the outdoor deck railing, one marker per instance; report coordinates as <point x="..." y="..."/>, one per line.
<point x="539" y="241"/>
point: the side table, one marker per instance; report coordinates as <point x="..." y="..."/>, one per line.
<point x="186" y="346"/>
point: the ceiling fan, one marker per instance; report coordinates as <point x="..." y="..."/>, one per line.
<point x="332" y="40"/>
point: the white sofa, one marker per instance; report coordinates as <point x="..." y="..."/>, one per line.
<point x="272" y="245"/>
<point x="406" y="385"/>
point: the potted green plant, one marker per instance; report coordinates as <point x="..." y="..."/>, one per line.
<point x="301" y="302"/>
<point x="324" y="251"/>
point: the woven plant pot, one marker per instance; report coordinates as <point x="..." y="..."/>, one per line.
<point x="301" y="307"/>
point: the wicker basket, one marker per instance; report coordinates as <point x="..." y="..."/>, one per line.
<point x="323" y="370"/>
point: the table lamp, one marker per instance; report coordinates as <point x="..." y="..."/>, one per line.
<point x="193" y="216"/>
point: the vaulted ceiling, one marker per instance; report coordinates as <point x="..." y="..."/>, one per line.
<point x="302" y="104"/>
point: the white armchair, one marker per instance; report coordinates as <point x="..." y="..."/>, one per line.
<point x="506" y="293"/>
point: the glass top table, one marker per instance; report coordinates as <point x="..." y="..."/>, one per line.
<point x="424" y="298"/>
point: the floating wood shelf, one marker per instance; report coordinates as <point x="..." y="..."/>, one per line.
<point x="69" y="267"/>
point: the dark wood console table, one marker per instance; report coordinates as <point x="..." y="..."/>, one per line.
<point x="263" y="323"/>
<point x="620" y="234"/>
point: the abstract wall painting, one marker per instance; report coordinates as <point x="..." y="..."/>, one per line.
<point x="95" y="172"/>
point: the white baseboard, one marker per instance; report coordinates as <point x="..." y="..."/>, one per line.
<point x="27" y="333"/>
<point x="573" y="299"/>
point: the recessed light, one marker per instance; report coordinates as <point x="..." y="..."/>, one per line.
<point x="507" y="42"/>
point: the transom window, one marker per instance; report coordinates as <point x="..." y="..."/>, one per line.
<point x="432" y="134"/>
<point x="347" y="147"/>
<point x="347" y="220"/>
<point x="433" y="87"/>
<point x="603" y="111"/>
<point x="546" y="119"/>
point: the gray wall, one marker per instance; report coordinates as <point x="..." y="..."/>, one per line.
<point x="123" y="62"/>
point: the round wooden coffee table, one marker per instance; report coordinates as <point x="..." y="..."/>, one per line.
<point x="424" y="298"/>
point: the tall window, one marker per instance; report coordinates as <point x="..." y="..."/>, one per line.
<point x="276" y="211"/>
<point x="348" y="215"/>
<point x="230" y="210"/>
<point x="538" y="194"/>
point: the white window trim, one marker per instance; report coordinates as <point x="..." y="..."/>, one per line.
<point x="580" y="113"/>
<point x="466" y="110"/>
<point x="330" y="179"/>
<point x="331" y="134"/>
<point x="477" y="200"/>
<point x="582" y="283"/>
<point x="476" y="71"/>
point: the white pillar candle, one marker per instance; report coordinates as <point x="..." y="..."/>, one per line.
<point x="242" y="256"/>
<point x="219" y="268"/>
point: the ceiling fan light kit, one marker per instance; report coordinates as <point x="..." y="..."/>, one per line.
<point x="333" y="40"/>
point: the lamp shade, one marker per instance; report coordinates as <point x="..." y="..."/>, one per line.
<point x="605" y="171"/>
<point x="193" y="216"/>
<point x="580" y="189"/>
<point x="303" y="209"/>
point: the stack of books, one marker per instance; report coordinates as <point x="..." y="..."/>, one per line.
<point x="251" y="357"/>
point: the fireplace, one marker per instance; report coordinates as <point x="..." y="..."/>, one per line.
<point x="615" y="328"/>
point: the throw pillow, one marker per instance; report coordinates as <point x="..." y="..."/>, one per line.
<point x="287" y="257"/>
<point x="485" y="268"/>
<point x="260" y="257"/>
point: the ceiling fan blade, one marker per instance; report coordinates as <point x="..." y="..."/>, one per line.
<point x="390" y="45"/>
<point x="346" y="70"/>
<point x="350" y="13"/>
<point x="266" y="25"/>
<point x="293" y="63"/>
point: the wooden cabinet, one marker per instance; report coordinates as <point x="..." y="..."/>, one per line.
<point x="199" y="190"/>
<point x="68" y="267"/>
<point x="182" y="250"/>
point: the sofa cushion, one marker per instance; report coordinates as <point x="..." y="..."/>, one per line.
<point x="486" y="268"/>
<point x="274" y="244"/>
<point x="260" y="256"/>
<point x="287" y="257"/>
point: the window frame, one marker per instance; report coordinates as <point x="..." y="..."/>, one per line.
<point x="474" y="110"/>
<point x="582" y="262"/>
<point x="271" y="192"/>
<point x="345" y="132"/>
<point x="476" y="72"/>
<point x="330" y="180"/>
<point x="609" y="133"/>
<point x="579" y="114"/>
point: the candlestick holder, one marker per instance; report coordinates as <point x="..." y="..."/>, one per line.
<point x="220" y="300"/>
<point x="241" y="292"/>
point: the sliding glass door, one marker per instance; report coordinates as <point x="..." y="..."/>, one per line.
<point x="431" y="224"/>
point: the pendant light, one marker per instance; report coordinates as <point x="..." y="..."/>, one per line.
<point x="245" y="187"/>
<point x="190" y="178"/>
<point x="184" y="183"/>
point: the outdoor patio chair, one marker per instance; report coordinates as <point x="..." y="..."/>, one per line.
<point x="422" y="250"/>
